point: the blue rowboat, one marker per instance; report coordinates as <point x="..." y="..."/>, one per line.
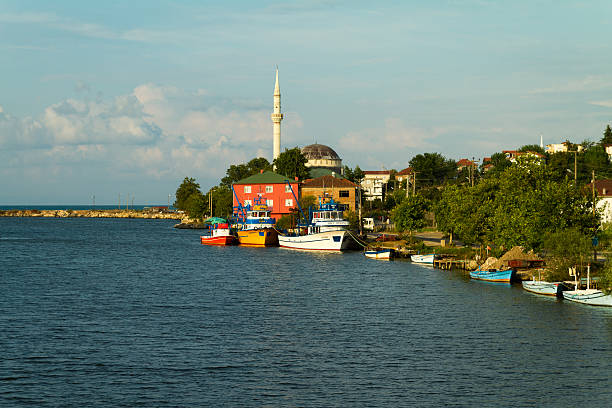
<point x="381" y="253"/>
<point x="492" y="275"/>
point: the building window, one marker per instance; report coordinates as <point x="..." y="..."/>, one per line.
<point x="344" y="193"/>
<point x="247" y="203"/>
<point x="287" y="188"/>
<point x="247" y="189"/>
<point x="269" y="189"/>
<point x="289" y="203"/>
<point x="270" y="203"/>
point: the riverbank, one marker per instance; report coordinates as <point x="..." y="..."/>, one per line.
<point x="144" y="214"/>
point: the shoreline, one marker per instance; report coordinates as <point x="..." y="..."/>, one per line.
<point x="143" y="214"/>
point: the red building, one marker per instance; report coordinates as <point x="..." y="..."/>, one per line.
<point x="272" y="188"/>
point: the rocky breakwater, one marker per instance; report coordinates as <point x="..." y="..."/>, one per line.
<point x="93" y="214"/>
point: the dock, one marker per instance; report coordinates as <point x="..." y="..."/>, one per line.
<point x="452" y="263"/>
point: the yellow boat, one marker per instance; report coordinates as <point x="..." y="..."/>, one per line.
<point x="258" y="227"/>
<point x="258" y="237"/>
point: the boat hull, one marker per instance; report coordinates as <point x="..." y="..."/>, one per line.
<point x="591" y="297"/>
<point x="542" y="288"/>
<point x="423" y="259"/>
<point x="323" y="241"/>
<point x="219" y="240"/>
<point x="258" y="237"/>
<point x="492" y="276"/>
<point x="379" y="254"/>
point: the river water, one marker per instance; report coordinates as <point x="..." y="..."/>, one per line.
<point x="132" y="312"/>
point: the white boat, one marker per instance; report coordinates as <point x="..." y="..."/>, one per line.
<point x="593" y="297"/>
<point x="588" y="296"/>
<point x="326" y="231"/>
<point x="379" y="253"/>
<point x="424" y="259"/>
<point x="543" y="288"/>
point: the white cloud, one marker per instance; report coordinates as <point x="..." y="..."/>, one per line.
<point x="606" y="104"/>
<point x="588" y="83"/>
<point x="155" y="130"/>
<point x="394" y="134"/>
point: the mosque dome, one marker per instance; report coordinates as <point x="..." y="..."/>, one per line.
<point x="319" y="152"/>
<point x="323" y="157"/>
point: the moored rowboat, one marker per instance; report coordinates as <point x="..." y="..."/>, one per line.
<point x="543" y="288"/>
<point x="593" y="297"/>
<point x="424" y="259"/>
<point x="492" y="275"/>
<point x="379" y="253"/>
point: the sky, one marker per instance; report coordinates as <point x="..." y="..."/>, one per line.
<point x="112" y="97"/>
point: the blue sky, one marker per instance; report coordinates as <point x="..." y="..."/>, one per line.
<point x="130" y="97"/>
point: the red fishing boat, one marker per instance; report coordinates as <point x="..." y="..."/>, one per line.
<point x="220" y="234"/>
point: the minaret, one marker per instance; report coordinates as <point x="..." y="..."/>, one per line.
<point x="276" y="117"/>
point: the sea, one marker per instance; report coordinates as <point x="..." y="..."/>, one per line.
<point x="135" y="313"/>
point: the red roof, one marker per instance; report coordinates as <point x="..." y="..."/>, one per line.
<point x="328" y="181"/>
<point x="603" y="187"/>
<point x="464" y="162"/>
<point x="407" y="170"/>
<point x="377" y="172"/>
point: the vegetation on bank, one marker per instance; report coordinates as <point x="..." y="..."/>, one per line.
<point x="539" y="202"/>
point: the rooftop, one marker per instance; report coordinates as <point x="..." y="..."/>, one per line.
<point x="267" y="177"/>
<point x="328" y="181"/>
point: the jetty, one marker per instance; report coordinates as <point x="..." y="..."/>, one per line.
<point x="146" y="214"/>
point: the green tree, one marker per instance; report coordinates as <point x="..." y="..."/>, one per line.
<point x="566" y="248"/>
<point x="238" y="172"/>
<point x="532" y="148"/>
<point x="500" y="163"/>
<point x="410" y="214"/>
<point x="222" y="200"/>
<point x="607" y="136"/>
<point x="358" y="175"/>
<point x="292" y="163"/>
<point x="516" y="207"/>
<point x="605" y="277"/>
<point x="433" y="168"/>
<point x="196" y="205"/>
<point x="187" y="188"/>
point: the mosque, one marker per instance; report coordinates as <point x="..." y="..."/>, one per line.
<point x="322" y="160"/>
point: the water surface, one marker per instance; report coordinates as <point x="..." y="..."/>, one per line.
<point x="128" y="312"/>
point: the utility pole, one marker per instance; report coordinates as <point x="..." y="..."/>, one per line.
<point x="360" y="226"/>
<point x="594" y="215"/>
<point x="473" y="170"/>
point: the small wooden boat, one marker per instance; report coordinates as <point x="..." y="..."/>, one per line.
<point x="379" y="253"/>
<point x="423" y="259"/>
<point x="492" y="275"/>
<point x="593" y="297"/>
<point x="543" y="288"/>
<point x="220" y="234"/>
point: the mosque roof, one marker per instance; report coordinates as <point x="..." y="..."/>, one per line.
<point x="318" y="151"/>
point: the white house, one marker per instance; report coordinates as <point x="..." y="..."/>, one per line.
<point x="373" y="183"/>
<point x="604" y="193"/>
